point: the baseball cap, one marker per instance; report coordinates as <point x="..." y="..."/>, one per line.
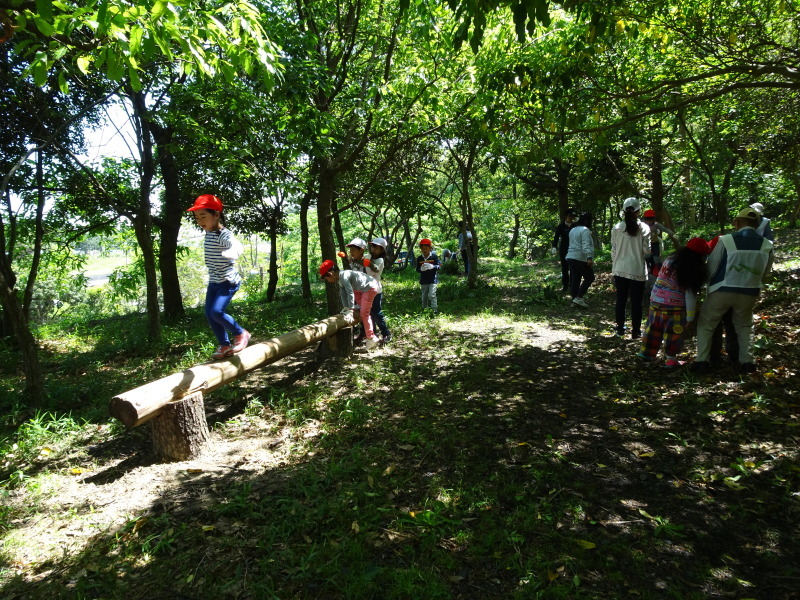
<point x="698" y="245"/>
<point x="207" y="201"/>
<point x="326" y="266"/>
<point x="747" y="213"/>
<point x="358" y="243"/>
<point x="631" y="203"/>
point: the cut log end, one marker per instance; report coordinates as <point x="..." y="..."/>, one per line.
<point x="180" y="431"/>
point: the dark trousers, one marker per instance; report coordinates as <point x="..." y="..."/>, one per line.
<point x="629" y="288"/>
<point x="377" y="315"/>
<point x="581" y="276"/>
<point x="564" y="271"/>
<point x="465" y="258"/>
<point x="731" y="341"/>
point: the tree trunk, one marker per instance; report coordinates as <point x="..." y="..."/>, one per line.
<point x="512" y="245"/>
<point x="657" y="183"/>
<point x="143" y="222"/>
<point x="180" y="432"/>
<point x="170" y="225"/>
<point x="28" y="349"/>
<point x="305" y="280"/>
<point x="795" y="212"/>
<point x="272" y="284"/>
<point x="327" y="183"/>
<point x="36" y="260"/>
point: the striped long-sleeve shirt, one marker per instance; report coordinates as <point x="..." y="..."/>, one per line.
<point x="220" y="268"/>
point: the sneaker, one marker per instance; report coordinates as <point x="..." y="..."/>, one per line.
<point x="636" y="335"/>
<point x="673" y="363"/>
<point x="580" y="302"/>
<point x="371" y="343"/>
<point x="240" y="341"/>
<point x="700" y="367"/>
<point x="222" y="352"/>
<point x="644" y="356"/>
<point x="747" y="368"/>
<point x="387" y="338"/>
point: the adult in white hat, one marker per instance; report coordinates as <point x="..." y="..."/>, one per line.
<point x="630" y="246"/>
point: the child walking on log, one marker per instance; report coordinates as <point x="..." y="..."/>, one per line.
<point x="357" y="291"/>
<point x="221" y="250"/>
<point x="673" y="301"/>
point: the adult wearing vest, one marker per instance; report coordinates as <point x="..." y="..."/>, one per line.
<point x="737" y="268"/>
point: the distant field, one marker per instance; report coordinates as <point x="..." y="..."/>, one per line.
<point x="104" y="265"/>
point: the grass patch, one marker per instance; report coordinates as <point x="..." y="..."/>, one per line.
<point x="505" y="449"/>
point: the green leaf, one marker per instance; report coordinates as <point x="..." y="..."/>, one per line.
<point x="115" y="66"/>
<point x="63" y="85"/>
<point x="44" y="8"/>
<point x="40" y="72"/>
<point x="133" y="75"/>
<point x="102" y="18"/>
<point x="158" y="10"/>
<point x="43" y="26"/>
<point x="83" y="64"/>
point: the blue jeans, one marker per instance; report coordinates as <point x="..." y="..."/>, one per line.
<point x="218" y="296"/>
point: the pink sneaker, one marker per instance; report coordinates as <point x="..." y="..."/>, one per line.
<point x="240" y="341"/>
<point x="222" y="352"/>
<point x="674" y="364"/>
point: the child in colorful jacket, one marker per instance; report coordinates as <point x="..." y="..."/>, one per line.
<point x="673" y="301"/>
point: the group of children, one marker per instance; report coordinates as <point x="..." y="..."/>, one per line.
<point x="360" y="285"/>
<point x="667" y="288"/>
<point x="675" y="282"/>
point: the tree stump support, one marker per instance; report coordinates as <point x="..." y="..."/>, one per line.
<point x="180" y="431"/>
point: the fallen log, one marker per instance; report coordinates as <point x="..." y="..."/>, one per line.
<point x="139" y="405"/>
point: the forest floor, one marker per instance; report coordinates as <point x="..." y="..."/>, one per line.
<point x="509" y="448"/>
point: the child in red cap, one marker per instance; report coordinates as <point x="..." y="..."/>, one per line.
<point x="357" y="291"/>
<point x="428" y="268"/>
<point x="673" y="301"/>
<point x="221" y="250"/>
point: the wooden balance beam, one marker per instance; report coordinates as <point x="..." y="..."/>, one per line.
<point x="139" y="405"/>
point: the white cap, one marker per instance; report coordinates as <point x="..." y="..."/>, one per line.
<point x="758" y="207"/>
<point x="358" y="243"/>
<point x="631" y="203"/>
<point x="380" y="242"/>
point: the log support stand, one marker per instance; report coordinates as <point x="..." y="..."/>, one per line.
<point x="180" y="431"/>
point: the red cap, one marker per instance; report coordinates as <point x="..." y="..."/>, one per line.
<point x="326" y="266"/>
<point x="698" y="245"/>
<point x="649" y="213"/>
<point x="425" y="242"/>
<point x="207" y="201"/>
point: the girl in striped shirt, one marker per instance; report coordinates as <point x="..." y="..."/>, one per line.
<point x="221" y="250"/>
